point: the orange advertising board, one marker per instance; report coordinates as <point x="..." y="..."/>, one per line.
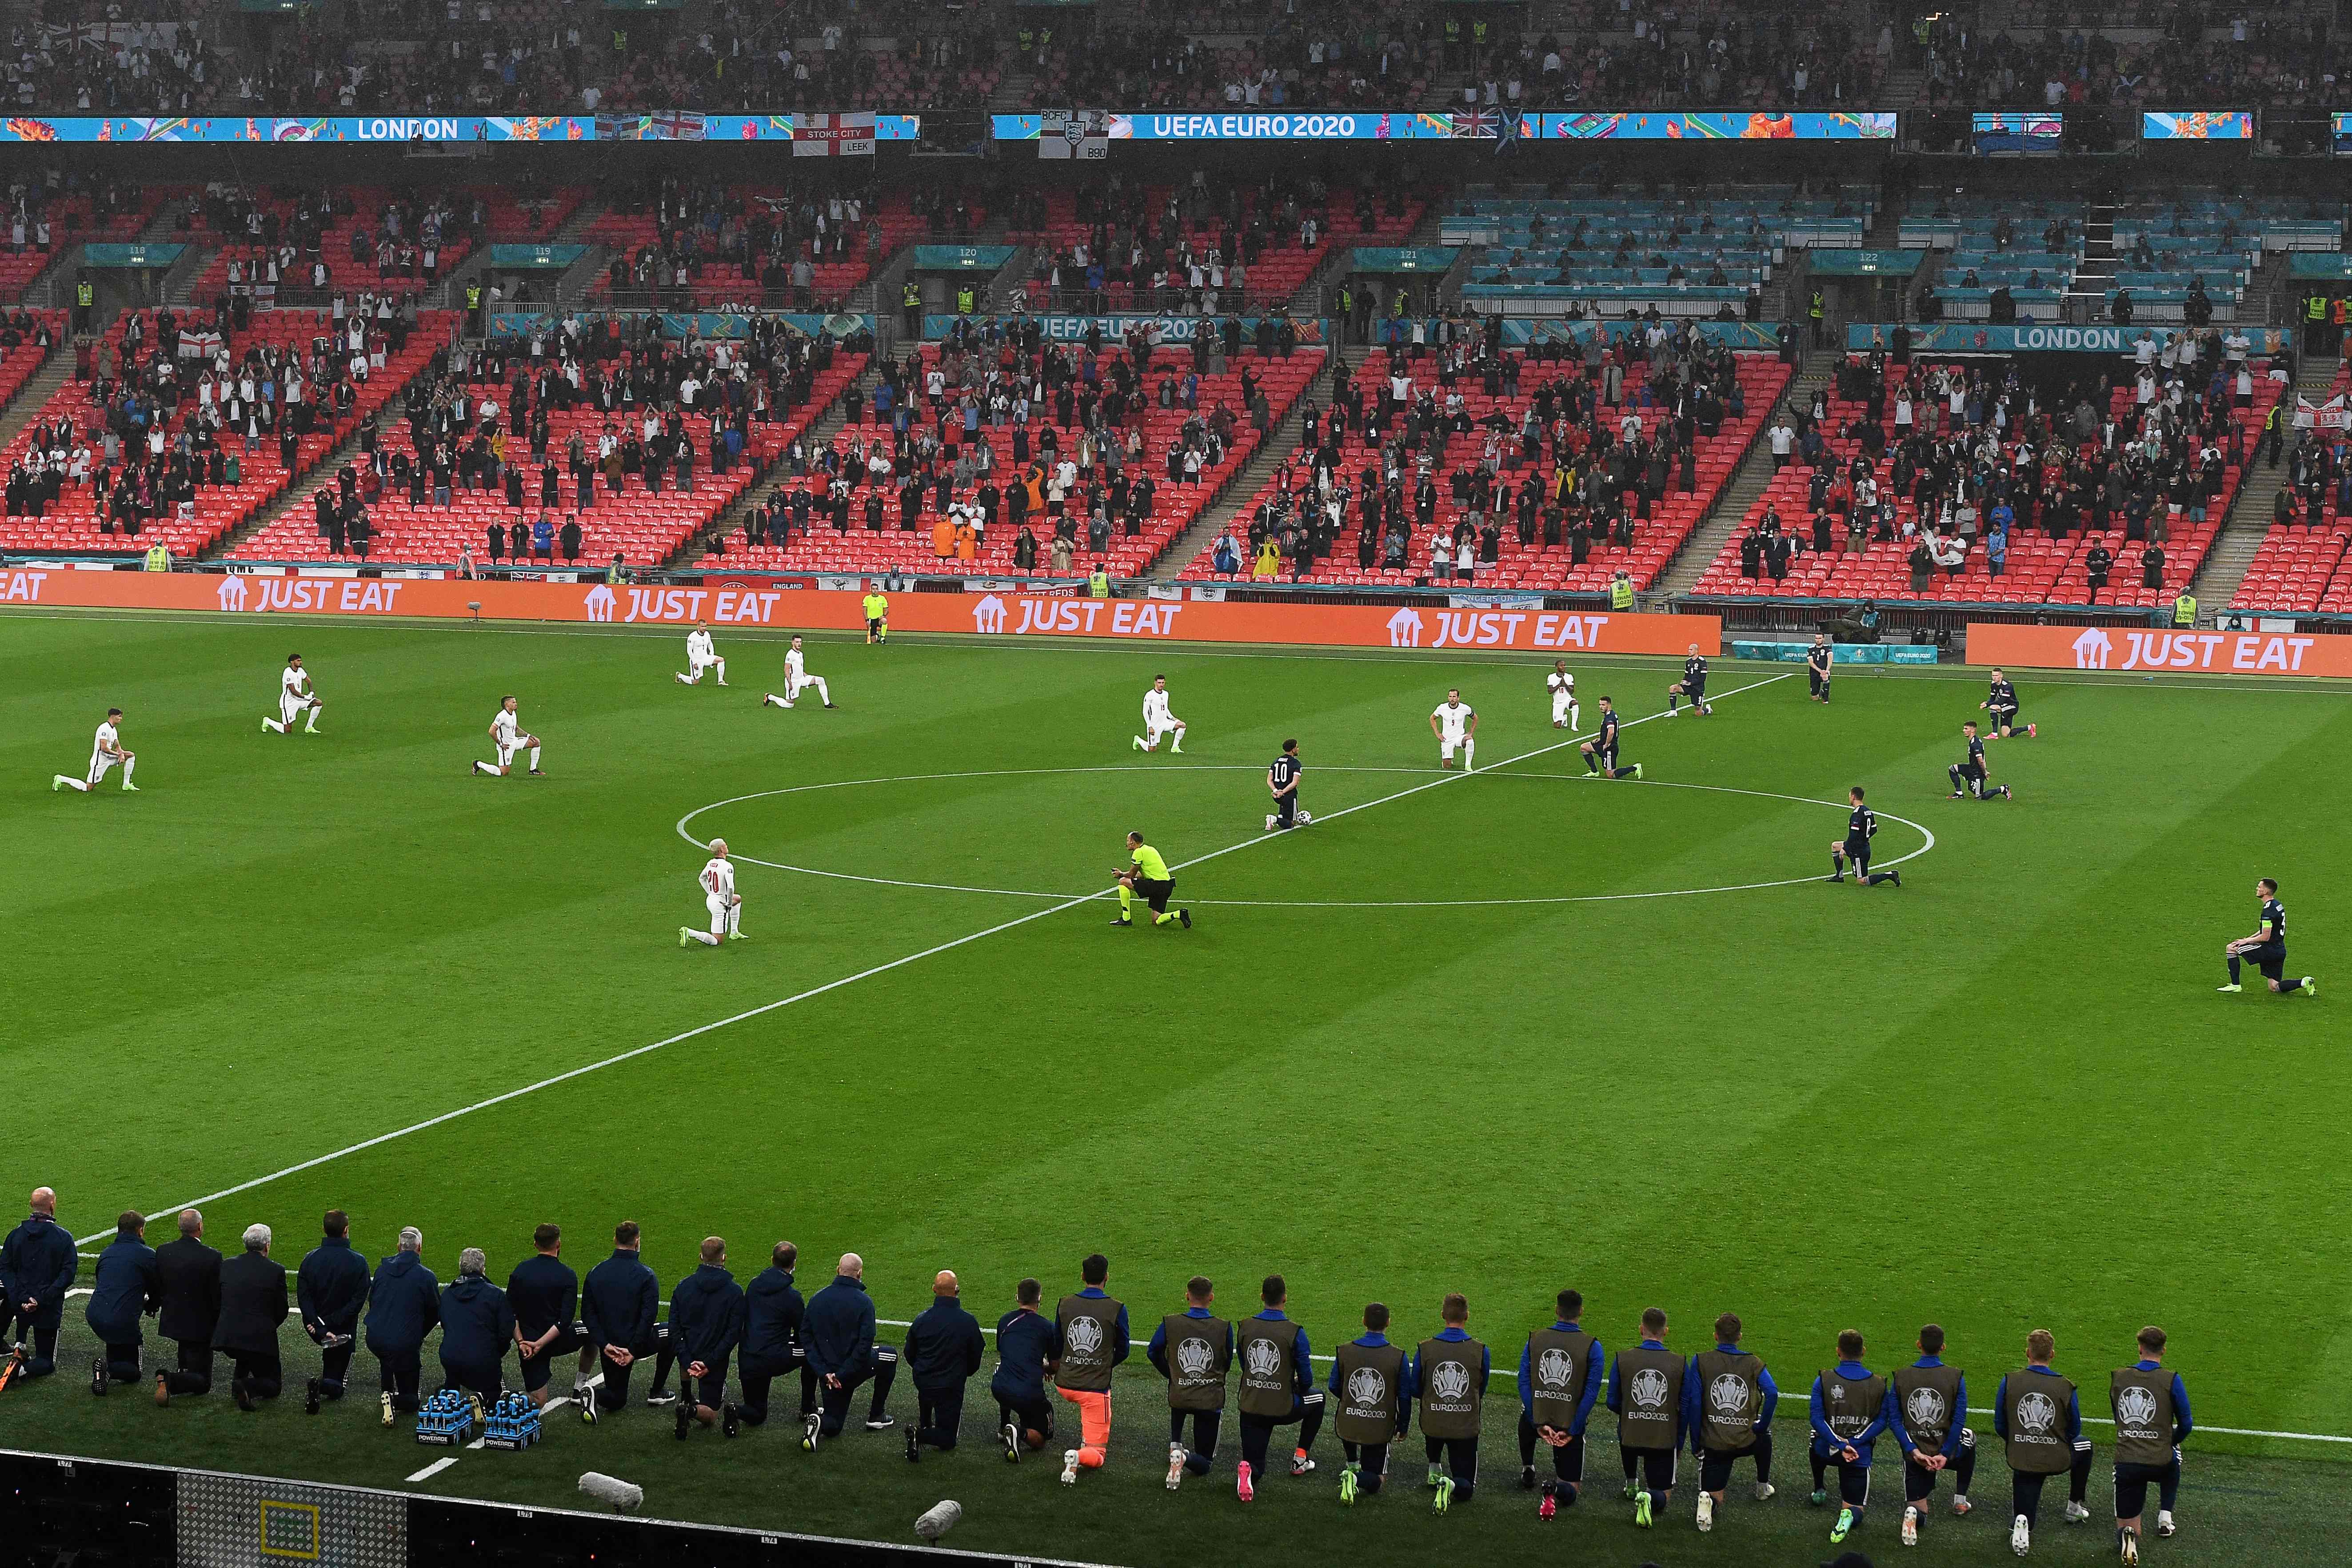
<point x="2150" y="649"/>
<point x="724" y="603"/>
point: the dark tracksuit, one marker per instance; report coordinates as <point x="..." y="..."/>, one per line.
<point x="477" y="1331"/>
<point x="404" y="1303"/>
<point x="1372" y="1459"/>
<point x="544" y="1294"/>
<point x="1027" y="1342"/>
<point x="772" y="1342"/>
<point x="2132" y="1481"/>
<point x="1567" y="1460"/>
<point x="943" y="1350"/>
<point x="621" y="1303"/>
<point x="1460" y="1454"/>
<point x="1202" y="1450"/>
<point x="705" y="1324"/>
<point x="1305" y="1407"/>
<point x="127" y="1287"/>
<point x="37" y="1264"/>
<point x="838" y="1332"/>
<point x="1853" y="1479"/>
<point x="2025" y="1489"/>
<point x="329" y="1289"/>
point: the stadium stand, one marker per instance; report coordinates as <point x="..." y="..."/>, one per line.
<point x="799" y="244"/>
<point x="47" y="213"/>
<point x="305" y="246"/>
<point x="1056" y="495"/>
<point x="163" y="443"/>
<point x="508" y="441"/>
<point x="1616" y="454"/>
<point x="27" y="340"/>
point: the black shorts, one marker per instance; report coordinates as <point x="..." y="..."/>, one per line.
<point x="1816" y="680"/>
<point x="2132" y="1482"/>
<point x="1858" y="851"/>
<point x="1853" y="1480"/>
<point x="2004" y="717"/>
<point x="539" y="1368"/>
<point x="874" y="623"/>
<point x="2270" y="958"/>
<point x="1969" y="771"/>
<point x="1693" y="689"/>
<point x="1656" y="1466"/>
<point x="1034" y="1414"/>
<point x="1715" y="1466"/>
<point x="1286" y="810"/>
<point x="1607" y="757"/>
<point x="1155" y="894"/>
<point x="1918" y="1481"/>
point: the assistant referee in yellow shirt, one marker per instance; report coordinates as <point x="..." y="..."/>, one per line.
<point x="1146" y="876"/>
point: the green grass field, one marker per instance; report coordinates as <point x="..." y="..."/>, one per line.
<point x="1489" y="1034"/>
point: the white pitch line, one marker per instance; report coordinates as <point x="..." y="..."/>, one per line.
<point x="847" y="980"/>
<point x="435" y="1469"/>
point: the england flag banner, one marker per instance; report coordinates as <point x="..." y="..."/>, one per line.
<point x="833" y="135"/>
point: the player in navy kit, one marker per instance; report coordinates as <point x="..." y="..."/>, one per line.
<point x="2267" y="947"/>
<point x="1861" y="827"/>
<point x="1282" y="778"/>
<point x="1600" y="751"/>
<point x="1969" y="775"/>
<point x="2000" y="701"/>
<point x="1693" y="685"/>
<point x="1818" y="660"/>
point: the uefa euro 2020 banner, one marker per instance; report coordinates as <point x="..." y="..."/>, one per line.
<point x="1465" y="125"/>
<point x="818" y="135"/>
<point x="760" y="601"/>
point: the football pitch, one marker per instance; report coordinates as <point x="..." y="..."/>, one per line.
<point x="1499" y="1034"/>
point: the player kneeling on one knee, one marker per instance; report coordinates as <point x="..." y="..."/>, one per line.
<point x="1455" y="724"/>
<point x="1600" y="751"/>
<point x="2266" y="948"/>
<point x="1860" y="827"/>
<point x="719" y="896"/>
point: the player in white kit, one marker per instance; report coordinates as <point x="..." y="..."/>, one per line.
<point x="511" y="740"/>
<point x="105" y="752"/>
<point x="1456" y="723"/>
<point x="719" y="896"/>
<point x="295" y="696"/>
<point x="1158" y="720"/>
<point x="701" y="655"/>
<point x="797" y="679"/>
<point x="1563" y="686"/>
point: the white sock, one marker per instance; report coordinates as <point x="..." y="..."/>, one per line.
<point x="128" y="763"/>
<point x="825" y="693"/>
<point x="489" y="768"/>
<point x="273" y="724"/>
<point x="1469" y="755"/>
<point x="73" y="784"/>
<point x="772" y="697"/>
<point x="1141" y="744"/>
<point x="683" y="680"/>
<point x="734" y="919"/>
<point x="534" y="759"/>
<point x="311" y="726"/>
<point x="723" y="672"/>
<point x="1179" y="744"/>
<point x="1575" y="717"/>
<point x="703" y="937"/>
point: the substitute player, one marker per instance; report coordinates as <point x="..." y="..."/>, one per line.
<point x="877" y="618"/>
<point x="105" y="751"/>
<point x="295" y="696"/>
<point x="2151" y="1412"/>
<point x="2000" y="701"/>
<point x="1930" y="1422"/>
<point x="1158" y="720"/>
<point x="1818" y="660"/>
<point x="1860" y="827"/>
<point x="1282" y="778"/>
<point x="511" y="740"/>
<point x="1969" y="775"/>
<point x="701" y="655"/>
<point x="1600" y="751"/>
<point x="1146" y="875"/>
<point x="1455" y="724"/>
<point x="797" y="679"/>
<point x="719" y="895"/>
<point x="2266" y="947"/>
<point x="1563" y="686"/>
<point x="1693" y="685"/>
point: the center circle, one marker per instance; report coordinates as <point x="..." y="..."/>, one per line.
<point x="684" y="825"/>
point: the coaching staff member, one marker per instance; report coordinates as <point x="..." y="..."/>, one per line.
<point x="838" y="1332"/>
<point x="37" y="1269"/>
<point x="943" y="1350"/>
<point x="772" y="1311"/>
<point x="253" y="1304"/>
<point x="545" y="1296"/>
<point x="329" y="1289"/>
<point x="619" y="1304"/>
<point x="477" y="1327"/>
<point x="189" y="1273"/>
<point x="1028" y="1346"/>
<point x="127" y="1289"/>
<point x="404" y="1303"/>
<point x="705" y="1324"/>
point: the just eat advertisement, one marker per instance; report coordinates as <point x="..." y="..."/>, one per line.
<point x="755" y="601"/>
<point x="2150" y="649"/>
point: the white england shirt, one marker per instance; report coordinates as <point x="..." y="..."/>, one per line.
<point x="698" y="644"/>
<point x="1453" y="719"/>
<point x="793" y="668"/>
<point x="506" y="724"/>
<point x="292" y="679"/>
<point x="1559" y="684"/>
<point x="719" y="879"/>
<point x="106" y="743"/>
<point x="1155" y="707"/>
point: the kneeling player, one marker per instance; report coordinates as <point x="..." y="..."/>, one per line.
<point x="719" y="896"/>
<point x="1969" y="775"/>
<point x="1600" y="751"/>
<point x="1563" y="686"/>
<point x="1819" y="659"/>
<point x="1861" y="827"/>
<point x="511" y="740"/>
<point x="1455" y="724"/>
<point x="1160" y="719"/>
<point x="295" y="696"/>
<point x="105" y="752"/>
<point x="1282" y="778"/>
<point x="1849" y="1410"/>
<point x="2000" y="701"/>
<point x="1929" y="1419"/>
<point x="1147" y="874"/>
<point x="2265" y="947"/>
<point x="1693" y="685"/>
<point x="701" y="655"/>
<point x="797" y="679"/>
